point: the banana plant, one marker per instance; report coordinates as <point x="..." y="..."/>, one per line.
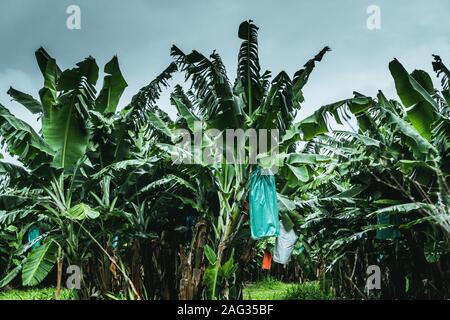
<point x="383" y="199"/>
<point x="254" y="101"/>
<point x="83" y="135"/>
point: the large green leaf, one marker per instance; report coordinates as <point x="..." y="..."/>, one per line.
<point x="125" y="165"/>
<point x="285" y="204"/>
<point x="277" y="111"/>
<point x="420" y="171"/>
<point x="170" y="180"/>
<point x="63" y="126"/>
<point x="39" y="263"/>
<point x="157" y="123"/>
<point x="113" y="86"/>
<point x="421" y="117"/>
<point x="213" y="92"/>
<point x="11" y="275"/>
<point x="419" y="144"/>
<point x="228" y="268"/>
<point x="404" y="208"/>
<point x="210" y="254"/>
<point x="248" y="65"/>
<point x="301" y="77"/>
<point x="82" y="211"/>
<point x="43" y="59"/>
<point x="136" y="111"/>
<point x="51" y="73"/>
<point x="414" y="92"/>
<point x="22" y="141"/>
<point x="297" y="173"/>
<point x="306" y="158"/>
<point x="18" y="176"/>
<point x="364" y="139"/>
<point x="85" y="72"/>
<point x="185" y="113"/>
<point x="408" y="88"/>
<point x="65" y="132"/>
<point x="210" y="279"/>
<point x="316" y="123"/>
<point x="26" y="100"/>
<point x="443" y="72"/>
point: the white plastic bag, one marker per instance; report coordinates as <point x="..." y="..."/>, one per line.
<point x="284" y="245"/>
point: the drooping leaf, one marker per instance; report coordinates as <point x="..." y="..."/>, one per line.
<point x="39" y="263"/>
<point x="11" y="275"/>
<point x="113" y="86"/>
<point x="316" y="123"/>
<point x="18" y="176"/>
<point x="213" y="92"/>
<point x="301" y="77"/>
<point x="403" y="208"/>
<point x="22" y="141"/>
<point x="26" y="100"/>
<point x="145" y="99"/>
<point x="443" y="72"/>
<point x="420" y="145"/>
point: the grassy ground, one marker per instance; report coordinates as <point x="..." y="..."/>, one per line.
<point x="263" y="290"/>
<point x="35" y="294"/>
<point x="266" y="290"/>
<point x="276" y="290"/>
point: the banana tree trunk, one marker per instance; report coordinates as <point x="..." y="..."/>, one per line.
<point x="192" y="264"/>
<point x="59" y="274"/>
<point x="136" y="267"/>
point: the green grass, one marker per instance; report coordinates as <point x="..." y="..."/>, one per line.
<point x="268" y="289"/>
<point x="35" y="294"/>
<point x="276" y="290"/>
<point x="306" y="291"/>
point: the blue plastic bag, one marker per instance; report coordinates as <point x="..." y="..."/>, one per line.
<point x="34" y="233"/>
<point x="115" y="241"/>
<point x="264" y="220"/>
<point x="386" y="233"/>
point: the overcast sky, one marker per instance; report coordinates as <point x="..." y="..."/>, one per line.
<point x="291" y="31"/>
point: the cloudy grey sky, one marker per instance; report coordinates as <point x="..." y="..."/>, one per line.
<point x="291" y="31"/>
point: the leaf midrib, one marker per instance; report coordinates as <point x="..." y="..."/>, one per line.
<point x="35" y="267"/>
<point x="66" y="135"/>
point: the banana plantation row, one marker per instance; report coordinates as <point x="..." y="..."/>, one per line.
<point x="97" y="187"/>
